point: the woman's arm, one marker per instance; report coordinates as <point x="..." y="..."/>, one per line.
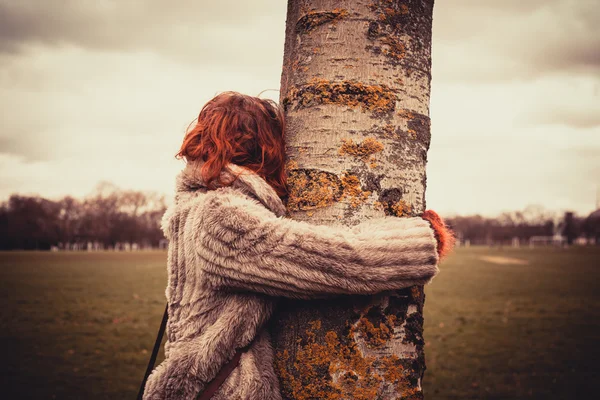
<point x="443" y="234"/>
<point x="243" y="245"/>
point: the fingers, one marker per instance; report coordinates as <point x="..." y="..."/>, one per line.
<point x="444" y="236"/>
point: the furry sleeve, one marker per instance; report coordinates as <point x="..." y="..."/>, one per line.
<point x="243" y="245"/>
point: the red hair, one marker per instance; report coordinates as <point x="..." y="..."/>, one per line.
<point x="244" y="130"/>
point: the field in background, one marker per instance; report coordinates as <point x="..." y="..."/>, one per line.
<point x="499" y="324"/>
<point x="528" y="328"/>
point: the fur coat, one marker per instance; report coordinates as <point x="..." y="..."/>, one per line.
<point x="232" y="253"/>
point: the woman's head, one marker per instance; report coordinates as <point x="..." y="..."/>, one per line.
<point x="240" y="129"/>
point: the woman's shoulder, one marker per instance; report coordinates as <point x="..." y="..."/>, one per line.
<point x="229" y="197"/>
<point x="214" y="203"/>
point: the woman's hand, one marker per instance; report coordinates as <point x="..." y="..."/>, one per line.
<point x="443" y="234"/>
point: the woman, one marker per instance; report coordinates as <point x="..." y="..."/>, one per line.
<point x="232" y="254"/>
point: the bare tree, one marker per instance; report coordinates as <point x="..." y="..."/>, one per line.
<point x="69" y="219"/>
<point x="355" y="84"/>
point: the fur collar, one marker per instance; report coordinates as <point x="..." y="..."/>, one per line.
<point x="248" y="181"/>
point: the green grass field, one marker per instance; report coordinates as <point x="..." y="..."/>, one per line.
<point x="81" y="325"/>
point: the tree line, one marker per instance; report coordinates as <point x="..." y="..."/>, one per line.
<point x="525" y="224"/>
<point x="108" y="218"/>
<point x="111" y="217"/>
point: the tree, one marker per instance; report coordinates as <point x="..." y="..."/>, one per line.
<point x="591" y="226"/>
<point x="355" y="86"/>
<point x="69" y="219"/>
<point x="29" y="223"/>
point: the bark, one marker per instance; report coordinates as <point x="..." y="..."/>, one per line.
<point x="355" y="85"/>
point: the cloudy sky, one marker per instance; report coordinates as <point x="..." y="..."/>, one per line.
<point x="102" y="90"/>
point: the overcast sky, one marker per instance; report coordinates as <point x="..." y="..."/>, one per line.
<point x="95" y="90"/>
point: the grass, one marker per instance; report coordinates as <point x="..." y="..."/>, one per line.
<point x="530" y="331"/>
<point x="81" y="325"/>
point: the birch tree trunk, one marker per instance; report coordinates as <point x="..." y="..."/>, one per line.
<point x="355" y="85"/>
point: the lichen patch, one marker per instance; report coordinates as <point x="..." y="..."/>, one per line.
<point x="401" y="209"/>
<point x="352" y="190"/>
<point x="379" y="99"/>
<point x="363" y="150"/>
<point x="329" y="367"/>
<point x="312" y="19"/>
<point x="386" y="29"/>
<point x="312" y="188"/>
<point x="374" y="327"/>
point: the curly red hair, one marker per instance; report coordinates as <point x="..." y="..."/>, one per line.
<point x="241" y="129"/>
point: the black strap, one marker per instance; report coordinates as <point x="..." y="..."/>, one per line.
<point x="226" y="370"/>
<point x="161" y="332"/>
<point x="213" y="385"/>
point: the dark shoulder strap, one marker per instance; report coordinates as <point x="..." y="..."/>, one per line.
<point x="218" y="380"/>
<point x="213" y="385"/>
<point x="161" y="332"/>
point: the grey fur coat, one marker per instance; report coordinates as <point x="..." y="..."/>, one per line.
<point x="232" y="253"/>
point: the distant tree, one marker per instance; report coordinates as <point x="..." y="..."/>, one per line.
<point x="570" y="228"/>
<point x="109" y="215"/>
<point x="533" y="221"/>
<point x="590" y="226"/>
<point x="99" y="214"/>
<point x="31" y="223"/>
<point x="69" y="219"/>
<point x="4" y="227"/>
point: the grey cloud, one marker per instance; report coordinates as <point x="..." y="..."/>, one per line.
<point x="587" y="164"/>
<point x="185" y="30"/>
<point x="511" y="40"/>
<point x="574" y="119"/>
<point x="474" y="40"/>
<point x="508" y="6"/>
<point x="586" y="153"/>
<point x="579" y="118"/>
<point x="27" y="145"/>
<point x="42" y="94"/>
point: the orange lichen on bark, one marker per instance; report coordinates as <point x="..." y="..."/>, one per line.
<point x="291" y="165"/>
<point x="364" y="150"/>
<point x="388" y="131"/>
<point x="297" y="67"/>
<point x="401" y="209"/>
<point x="330" y="367"/>
<point x="396" y="49"/>
<point x="310" y="189"/>
<point x="313" y="19"/>
<point x="375" y="336"/>
<point x="375" y="98"/>
<point x="416" y="292"/>
<point x="409" y="116"/>
<point x="352" y="190"/>
<point x="404" y="113"/>
<point x="390" y="16"/>
<point x="389" y="10"/>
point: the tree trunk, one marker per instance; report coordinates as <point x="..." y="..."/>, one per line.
<point x="355" y="85"/>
